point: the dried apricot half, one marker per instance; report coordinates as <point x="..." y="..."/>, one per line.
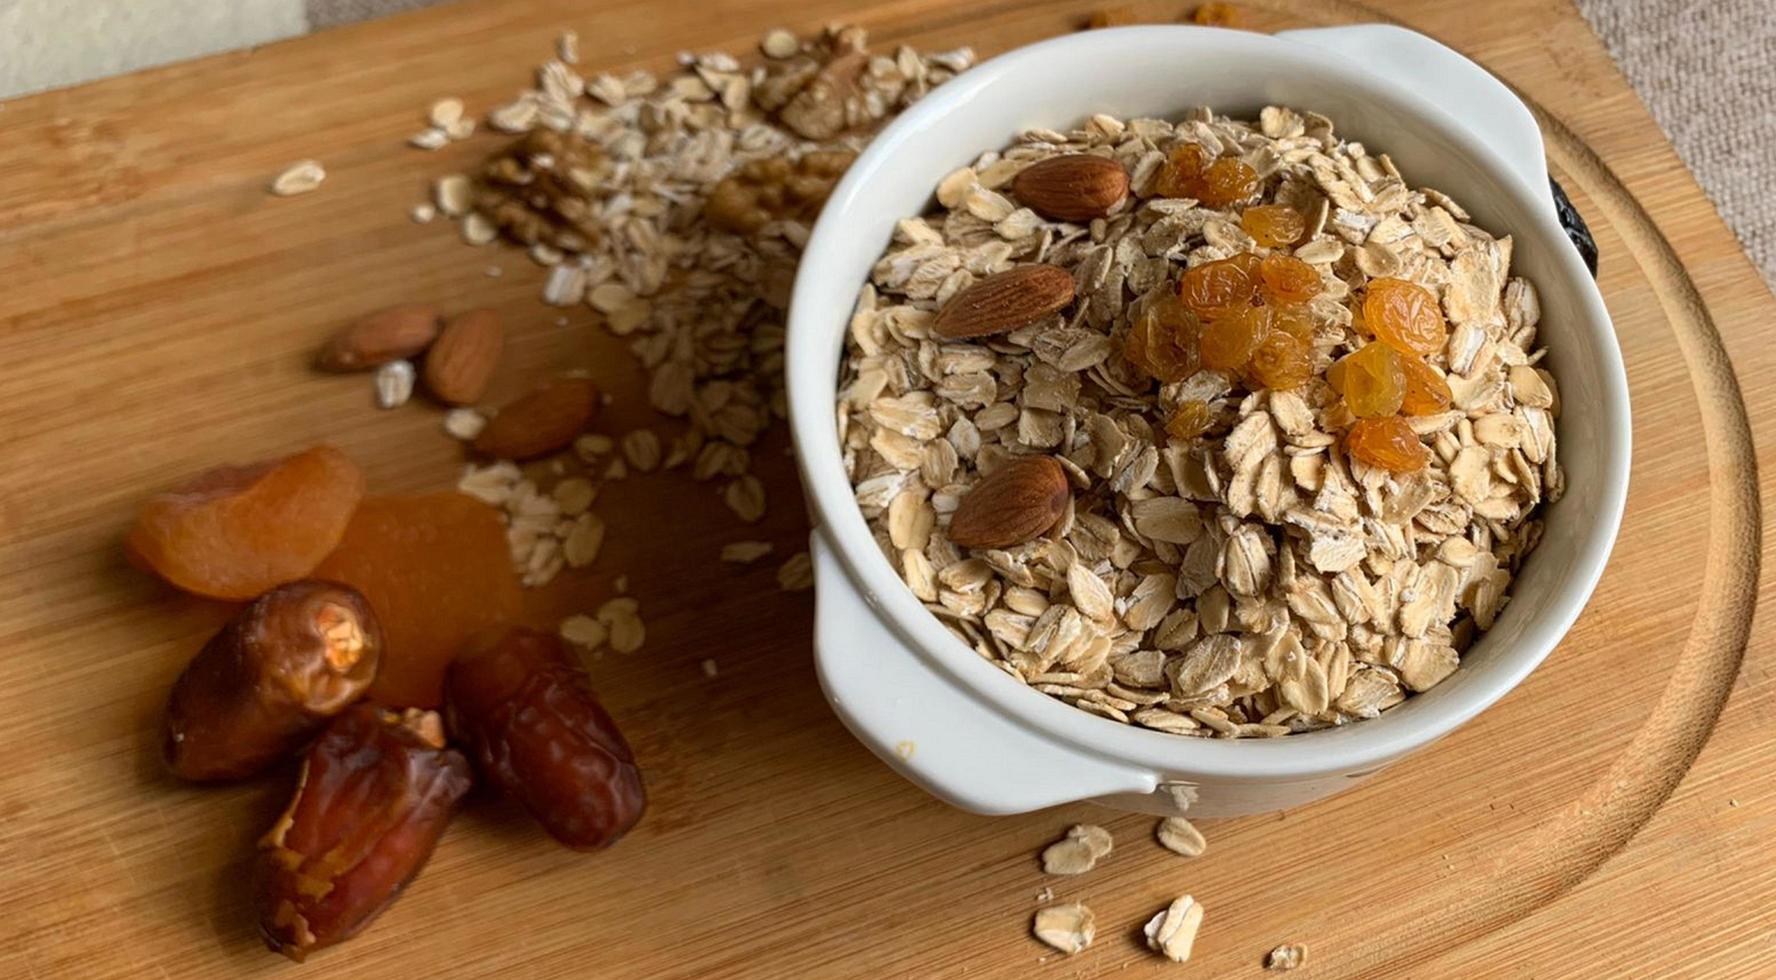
<point x="235" y="531"/>
<point x="436" y="569"/>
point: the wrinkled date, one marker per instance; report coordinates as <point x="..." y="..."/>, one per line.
<point x="525" y="711"/>
<point x="270" y="679"/>
<point x="375" y="793"/>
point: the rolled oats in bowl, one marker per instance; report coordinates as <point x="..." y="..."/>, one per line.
<point x="1215" y="427"/>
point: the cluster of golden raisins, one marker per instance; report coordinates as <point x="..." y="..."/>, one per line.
<point x="1389" y="375"/>
<point x="1247" y="315"/>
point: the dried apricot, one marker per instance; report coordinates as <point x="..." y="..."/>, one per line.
<point x="1191" y="419"/>
<point x="1229" y="341"/>
<point x="1281" y="361"/>
<point x="1405" y="315"/>
<point x="1426" y="391"/>
<point x="1371" y="380"/>
<point x="1181" y="174"/>
<point x="1286" y="279"/>
<point x="235" y="531"/>
<point x="436" y="569"/>
<point x="1273" y="225"/>
<point x="1227" y="181"/>
<point x="1163" y="341"/>
<point x="1387" y="442"/>
<point x="1217" y="287"/>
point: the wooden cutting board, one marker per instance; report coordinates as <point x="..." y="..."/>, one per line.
<point x="1613" y="817"/>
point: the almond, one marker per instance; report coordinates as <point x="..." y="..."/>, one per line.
<point x="542" y="422"/>
<point x="1075" y="187"/>
<point x="462" y="361"/>
<point x="1021" y="499"/>
<point x="1006" y="301"/>
<point x="386" y="335"/>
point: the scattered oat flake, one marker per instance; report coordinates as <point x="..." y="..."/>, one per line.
<point x="583" y="631"/>
<point x="780" y="43"/>
<point x="1069" y="928"/>
<point x="1078" y="852"/>
<point x="709" y="668"/>
<point x="592" y="445"/>
<point x="299" y="178"/>
<point x="574" y="494"/>
<point x="422" y="213"/>
<point x="746" y="498"/>
<point x="1180" y="836"/>
<point x="445" y="112"/>
<point x="581" y="546"/>
<point x="567" y="47"/>
<point x="1286" y="957"/>
<point x="1172" y="932"/>
<point x="622" y="617"/>
<point x="478" y="230"/>
<point x="796" y="574"/>
<point x="744" y="552"/>
<point x="394" y="384"/>
<point x="642" y="449"/>
<point x="464" y="423"/>
<point x="453" y="194"/>
<point x="432" y="138"/>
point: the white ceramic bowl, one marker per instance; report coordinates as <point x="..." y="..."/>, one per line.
<point x="960" y="728"/>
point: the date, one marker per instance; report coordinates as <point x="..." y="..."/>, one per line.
<point x="269" y="679"/>
<point x="375" y="792"/>
<point x="524" y="710"/>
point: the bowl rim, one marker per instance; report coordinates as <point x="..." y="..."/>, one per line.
<point x="1353" y="749"/>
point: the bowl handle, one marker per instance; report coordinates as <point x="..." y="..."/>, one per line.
<point x="929" y="730"/>
<point x="1472" y="96"/>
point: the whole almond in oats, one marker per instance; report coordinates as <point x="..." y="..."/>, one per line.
<point x="462" y="360"/>
<point x="542" y="422"/>
<point x="1006" y="301"/>
<point x="1021" y="499"/>
<point x="1072" y="187"/>
<point x="386" y="335"/>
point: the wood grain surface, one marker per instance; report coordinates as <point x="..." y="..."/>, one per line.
<point x="1612" y="817"/>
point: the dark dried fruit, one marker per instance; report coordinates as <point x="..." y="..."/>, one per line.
<point x="526" y="713"/>
<point x="271" y="678"/>
<point x="374" y="795"/>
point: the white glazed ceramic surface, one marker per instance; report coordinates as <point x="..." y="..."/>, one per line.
<point x="956" y="725"/>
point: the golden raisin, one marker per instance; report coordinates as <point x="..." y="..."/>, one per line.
<point x="437" y="569"/>
<point x="1294" y="319"/>
<point x="1371" y="380"/>
<point x="235" y="531"/>
<point x="1229" y="341"/>
<point x="1387" y="442"/>
<point x="1426" y="391"/>
<point x="1287" y="279"/>
<point x="1217" y="287"/>
<point x="1281" y="361"/>
<point x="1273" y="225"/>
<point x="1227" y="181"/>
<point x="1182" y="173"/>
<point x="1405" y="315"/>
<point x="1191" y="419"/>
<point x="1163" y="341"/>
